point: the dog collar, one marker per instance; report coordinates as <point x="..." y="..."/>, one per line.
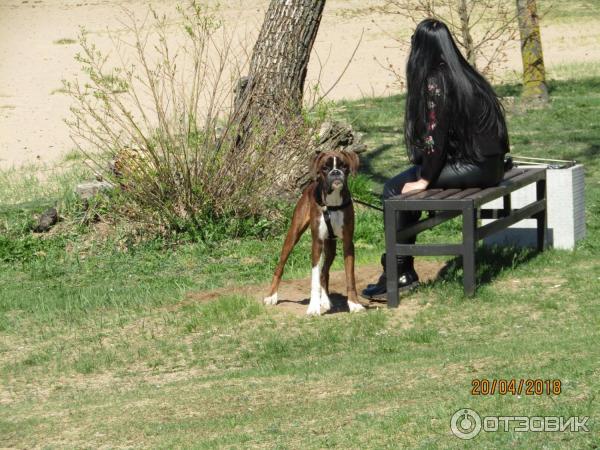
<point x="319" y="198"/>
<point x="337" y="208"/>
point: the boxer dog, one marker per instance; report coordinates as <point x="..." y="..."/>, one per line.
<point x="327" y="207"/>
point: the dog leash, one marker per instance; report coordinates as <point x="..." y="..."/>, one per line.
<point x="508" y="164"/>
<point x="327" y="217"/>
<point x="326" y="209"/>
<point x="369" y="205"/>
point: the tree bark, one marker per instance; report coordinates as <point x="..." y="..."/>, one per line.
<point x="534" y="74"/>
<point x="273" y="90"/>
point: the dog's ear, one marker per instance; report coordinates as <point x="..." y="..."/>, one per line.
<point x="315" y="164"/>
<point x="352" y="160"/>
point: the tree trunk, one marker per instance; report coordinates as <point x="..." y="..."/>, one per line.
<point x="273" y="90"/>
<point x="534" y="75"/>
<point x="466" y="32"/>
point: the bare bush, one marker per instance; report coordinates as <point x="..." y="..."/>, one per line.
<point x="160" y="106"/>
<point x="483" y="29"/>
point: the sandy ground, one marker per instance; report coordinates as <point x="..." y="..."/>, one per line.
<point x="33" y="63"/>
<point x="294" y="295"/>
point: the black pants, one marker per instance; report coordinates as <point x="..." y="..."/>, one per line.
<point x="454" y="175"/>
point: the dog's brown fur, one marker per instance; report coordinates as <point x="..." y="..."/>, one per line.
<point x="307" y="213"/>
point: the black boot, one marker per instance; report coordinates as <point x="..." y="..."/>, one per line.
<point x="407" y="279"/>
<point x="382" y="278"/>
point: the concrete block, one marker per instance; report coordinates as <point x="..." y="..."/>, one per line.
<point x="565" y="192"/>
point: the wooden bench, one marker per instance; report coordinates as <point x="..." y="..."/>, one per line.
<point x="445" y="204"/>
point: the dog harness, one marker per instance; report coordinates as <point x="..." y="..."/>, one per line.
<point x="326" y="217"/>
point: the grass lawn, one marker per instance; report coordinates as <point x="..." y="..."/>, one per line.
<point x="99" y="346"/>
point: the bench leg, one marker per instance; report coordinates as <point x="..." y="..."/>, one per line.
<point x="507" y="204"/>
<point x="391" y="268"/>
<point x="541" y="217"/>
<point x="468" y="254"/>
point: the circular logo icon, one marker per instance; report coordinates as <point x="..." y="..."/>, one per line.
<point x="465" y="424"/>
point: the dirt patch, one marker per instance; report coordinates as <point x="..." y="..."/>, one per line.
<point x="294" y="295"/>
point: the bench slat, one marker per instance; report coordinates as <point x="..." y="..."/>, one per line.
<point x="409" y="194"/>
<point x="464" y="193"/>
<point x="512" y="173"/>
<point x="445" y="193"/>
<point x="508" y="186"/>
<point x="426" y="194"/>
<point x="532" y="174"/>
<point x="484" y="193"/>
<point x="455" y="199"/>
<point x="418" y="195"/>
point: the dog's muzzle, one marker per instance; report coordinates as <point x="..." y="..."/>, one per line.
<point x="335" y="178"/>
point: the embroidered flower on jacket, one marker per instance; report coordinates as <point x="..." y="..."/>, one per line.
<point x="432" y="122"/>
<point x="429" y="144"/>
<point x="434" y="89"/>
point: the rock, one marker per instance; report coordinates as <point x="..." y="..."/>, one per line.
<point x="357" y="148"/>
<point x="89" y="189"/>
<point x="336" y="134"/>
<point x="339" y="136"/>
<point x="47" y="220"/>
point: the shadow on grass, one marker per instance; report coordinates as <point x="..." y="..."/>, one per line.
<point x="382" y="129"/>
<point x="366" y="161"/>
<point x="339" y="303"/>
<point x="490" y="263"/>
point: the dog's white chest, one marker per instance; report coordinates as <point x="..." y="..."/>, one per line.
<point x="337" y="224"/>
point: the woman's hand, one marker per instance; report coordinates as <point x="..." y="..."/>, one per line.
<point x="415" y="186"/>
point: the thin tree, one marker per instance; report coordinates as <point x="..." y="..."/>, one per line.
<point x="272" y="92"/>
<point x="535" y="88"/>
<point x="465" y="29"/>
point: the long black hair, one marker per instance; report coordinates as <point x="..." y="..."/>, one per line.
<point x="434" y="53"/>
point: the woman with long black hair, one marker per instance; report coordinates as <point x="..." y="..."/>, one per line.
<point x="454" y="129"/>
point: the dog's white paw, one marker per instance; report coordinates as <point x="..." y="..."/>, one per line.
<point x="325" y="302"/>
<point x="355" y="307"/>
<point x="271" y="300"/>
<point x="314" y="309"/>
